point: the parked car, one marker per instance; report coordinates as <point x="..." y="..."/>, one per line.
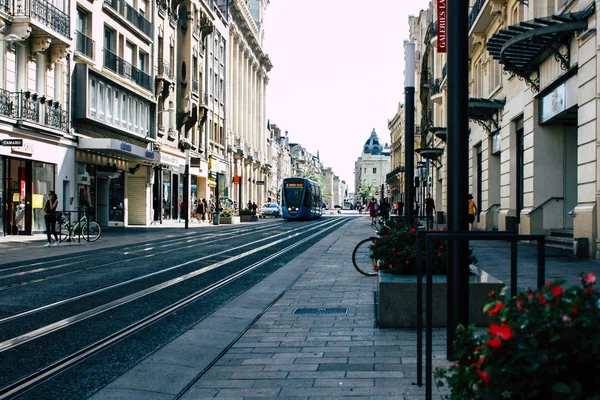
<point x="270" y="210"/>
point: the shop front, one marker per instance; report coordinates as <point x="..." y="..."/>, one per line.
<point x="113" y="181"/>
<point x="167" y="191"/>
<point x="27" y="173"/>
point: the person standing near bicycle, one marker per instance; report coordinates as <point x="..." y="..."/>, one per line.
<point x="384" y="209"/>
<point x="50" y="218"/>
<point x="373" y="207"/>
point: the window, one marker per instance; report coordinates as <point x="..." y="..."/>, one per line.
<point x="143" y="61"/>
<point x="124" y="110"/>
<point x="93" y="102"/>
<point x="117" y="109"/>
<point x="374" y="170"/>
<point x="109" y="39"/>
<point x="495" y="74"/>
<point x="109" y="105"/>
<point x="101" y="100"/>
<point x="82" y="21"/>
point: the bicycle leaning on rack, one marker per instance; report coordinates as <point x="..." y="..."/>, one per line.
<point x="362" y="256"/>
<point x="88" y="230"/>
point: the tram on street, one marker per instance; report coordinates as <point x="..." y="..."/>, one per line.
<point x="302" y="199"/>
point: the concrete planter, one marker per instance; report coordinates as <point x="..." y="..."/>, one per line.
<point x="397" y="299"/>
<point x="249" y="218"/>
<point x="229" y="220"/>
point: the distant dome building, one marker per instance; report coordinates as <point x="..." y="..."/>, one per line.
<point x="372" y="166"/>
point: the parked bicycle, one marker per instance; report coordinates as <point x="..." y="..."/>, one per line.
<point x="88" y="230"/>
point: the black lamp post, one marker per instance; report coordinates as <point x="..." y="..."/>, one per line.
<point x="409" y="114"/>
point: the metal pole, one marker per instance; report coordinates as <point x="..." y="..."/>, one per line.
<point x="513" y="267"/>
<point x="419" y="310"/>
<point x="458" y="166"/>
<point x="186" y="190"/>
<point x="409" y="107"/>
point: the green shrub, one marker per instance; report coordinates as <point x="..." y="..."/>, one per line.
<point x="246" y="211"/>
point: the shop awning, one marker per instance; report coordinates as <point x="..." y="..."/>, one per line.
<point x="486" y="112"/>
<point x="119" y="149"/>
<point x="523" y="47"/>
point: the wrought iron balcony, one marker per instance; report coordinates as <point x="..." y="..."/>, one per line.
<point x="173" y="19"/>
<point x="5" y="6"/>
<point x="164" y="69"/>
<point x="33" y="108"/>
<point x="43" y="12"/>
<point x="195" y="85"/>
<point x="131" y="15"/>
<point x="436" y="86"/>
<point x="84" y="44"/>
<point x="474" y="13"/>
<point x="433" y="30"/>
<point x="125" y="69"/>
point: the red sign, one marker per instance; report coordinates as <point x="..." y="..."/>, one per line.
<point x="389" y="191"/>
<point x="441" y="26"/>
<point x="376" y="193"/>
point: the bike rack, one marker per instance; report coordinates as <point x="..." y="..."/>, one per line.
<point x="427" y="238"/>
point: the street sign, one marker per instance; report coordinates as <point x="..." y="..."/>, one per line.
<point x="377" y="193"/>
<point x="11" y="142"/>
<point x="389" y="191"/>
<point x="260" y="182"/>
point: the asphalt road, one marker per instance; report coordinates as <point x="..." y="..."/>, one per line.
<point x="57" y="302"/>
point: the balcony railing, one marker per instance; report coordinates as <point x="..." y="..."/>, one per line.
<point x="436" y="86"/>
<point x="131" y="15"/>
<point x="477" y="7"/>
<point x="195" y="85"/>
<point x="164" y="68"/>
<point x="33" y="108"/>
<point x="84" y="44"/>
<point x="44" y="12"/>
<point x="5" y="6"/>
<point x="125" y="69"/>
<point x="433" y="30"/>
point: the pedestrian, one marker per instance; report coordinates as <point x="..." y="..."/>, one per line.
<point x="50" y="218"/>
<point x="249" y="205"/>
<point x="359" y="208"/>
<point x="254" y="207"/>
<point x="384" y="209"/>
<point x="373" y="207"/>
<point x="429" y="209"/>
<point x="235" y="207"/>
<point x="472" y="211"/>
<point x="200" y="211"/>
<point x="400" y="207"/>
<point x="210" y="210"/>
<point x="205" y="204"/>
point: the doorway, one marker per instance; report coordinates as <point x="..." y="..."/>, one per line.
<point x="102" y="200"/>
<point x="570" y="175"/>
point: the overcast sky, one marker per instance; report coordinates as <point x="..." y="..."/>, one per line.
<point x="338" y="72"/>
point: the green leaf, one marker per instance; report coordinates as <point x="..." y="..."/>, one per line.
<point x="561" y="387"/>
<point x="503" y="292"/>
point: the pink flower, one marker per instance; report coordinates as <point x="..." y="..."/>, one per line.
<point x="590" y="278"/>
<point x="566" y="319"/>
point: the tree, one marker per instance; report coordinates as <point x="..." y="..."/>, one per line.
<point x="366" y="190"/>
<point x="317" y="178"/>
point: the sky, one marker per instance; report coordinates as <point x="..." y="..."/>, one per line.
<point x="338" y="72"/>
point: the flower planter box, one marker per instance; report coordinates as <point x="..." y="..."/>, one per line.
<point x="229" y="220"/>
<point x="397" y="299"/>
<point x="249" y="218"/>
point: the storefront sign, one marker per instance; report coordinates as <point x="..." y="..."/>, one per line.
<point x="11" y="142"/>
<point x="126" y="147"/>
<point x="441" y="26"/>
<point x="27" y="147"/>
<point x="149" y="154"/>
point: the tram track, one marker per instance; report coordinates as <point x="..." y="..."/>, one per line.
<point x="64" y="362"/>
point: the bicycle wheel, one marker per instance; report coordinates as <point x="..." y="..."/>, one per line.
<point x="63" y="231"/>
<point x="362" y="257"/>
<point x="91" y="231"/>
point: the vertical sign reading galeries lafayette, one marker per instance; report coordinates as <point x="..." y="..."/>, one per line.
<point x="441" y="26"/>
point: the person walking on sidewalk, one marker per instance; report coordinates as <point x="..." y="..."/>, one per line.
<point x="50" y="218"/>
<point x="373" y="207"/>
<point x="200" y="210"/>
<point x="472" y="211"/>
<point x="210" y="209"/>
<point x="429" y="209"/>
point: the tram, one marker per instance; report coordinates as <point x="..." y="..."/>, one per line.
<point x="301" y="199"/>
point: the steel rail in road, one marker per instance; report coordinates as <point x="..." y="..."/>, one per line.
<point x="116" y="285"/>
<point x="46" y="372"/>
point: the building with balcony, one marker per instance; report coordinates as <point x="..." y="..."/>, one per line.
<point x="533" y="117"/>
<point x="247" y="70"/>
<point x="114" y="110"/>
<point x="38" y="146"/>
<point x="395" y="178"/>
<point x="372" y="167"/>
<point x="279" y="154"/>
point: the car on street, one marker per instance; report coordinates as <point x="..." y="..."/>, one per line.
<point x="270" y="210"/>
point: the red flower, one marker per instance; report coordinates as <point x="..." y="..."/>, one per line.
<point x="441" y="247"/>
<point x="590" y="278"/>
<point x="478" y="363"/>
<point x="499" y="306"/>
<point x="531" y="295"/>
<point x="503" y="331"/>
<point x="398" y="253"/>
<point x="548" y="284"/>
<point x="484" y="377"/>
<point x="520" y="303"/>
<point x="412" y="230"/>
<point x="406" y="261"/>
<point x="494" y="343"/>
<point x="557" y="291"/>
<point x="445" y="228"/>
<point x="439" y="254"/>
<point x="542" y="299"/>
<point x="574" y="310"/>
<point x="492" y="293"/>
